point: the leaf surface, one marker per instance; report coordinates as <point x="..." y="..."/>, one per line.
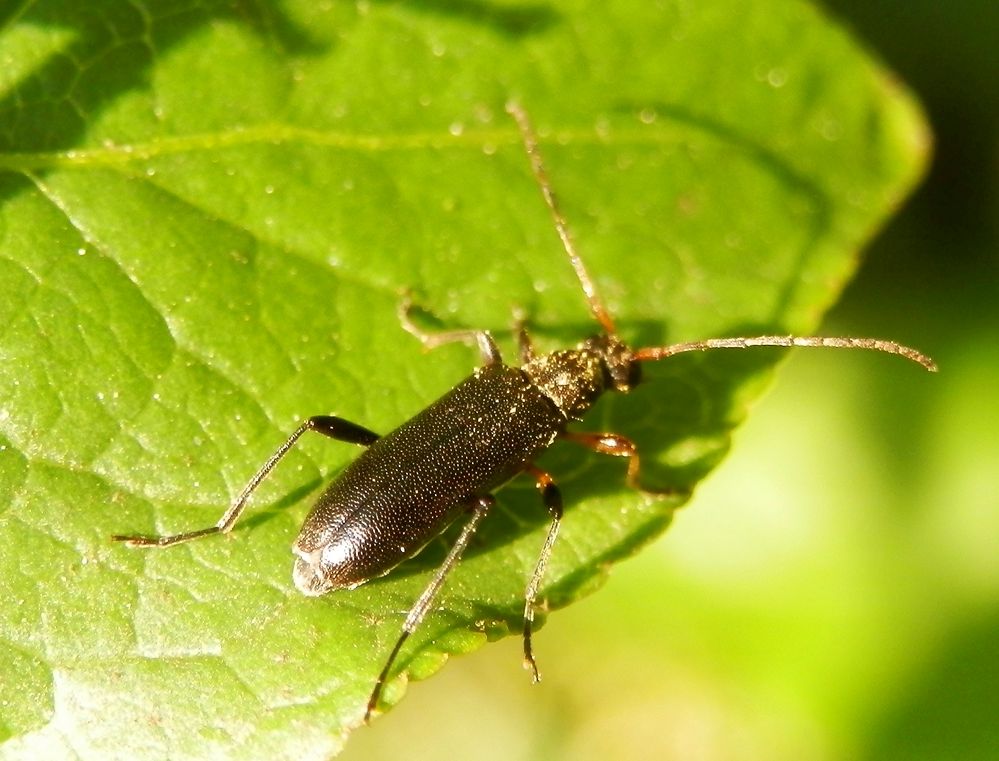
<point x="208" y="211"/>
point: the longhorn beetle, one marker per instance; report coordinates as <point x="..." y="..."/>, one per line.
<point x="409" y="485"/>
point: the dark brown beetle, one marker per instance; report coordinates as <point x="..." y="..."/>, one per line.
<point x="408" y="486"/>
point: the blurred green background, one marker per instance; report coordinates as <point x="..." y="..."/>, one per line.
<point x="832" y="591"/>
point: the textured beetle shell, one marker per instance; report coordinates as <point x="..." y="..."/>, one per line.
<point x="406" y="487"/>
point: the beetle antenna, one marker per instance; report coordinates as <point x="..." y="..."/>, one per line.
<point x="530" y="139"/>
<point x="745" y="342"/>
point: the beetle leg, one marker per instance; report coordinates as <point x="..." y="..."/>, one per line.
<point x="524" y="342"/>
<point x="334" y="427"/>
<point x="480" y="506"/>
<point x="552" y="498"/>
<point x="487" y="346"/>
<point x="619" y="446"/>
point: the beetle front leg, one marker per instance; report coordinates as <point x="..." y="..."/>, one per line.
<point x="524" y="342"/>
<point x="487" y="346"/>
<point x="328" y="425"/>
<point x="619" y="446"/>
<point x="552" y="498"/>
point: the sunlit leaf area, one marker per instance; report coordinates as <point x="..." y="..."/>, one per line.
<point x="210" y="212"/>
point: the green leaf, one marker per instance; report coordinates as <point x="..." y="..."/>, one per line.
<point x="208" y="211"/>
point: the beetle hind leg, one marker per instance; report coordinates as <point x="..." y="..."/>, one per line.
<point x="480" y="506"/>
<point x="328" y="425"/>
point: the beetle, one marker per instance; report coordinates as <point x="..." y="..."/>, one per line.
<point x="408" y="486"/>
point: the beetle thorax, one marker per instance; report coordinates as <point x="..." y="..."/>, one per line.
<point x="575" y="378"/>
